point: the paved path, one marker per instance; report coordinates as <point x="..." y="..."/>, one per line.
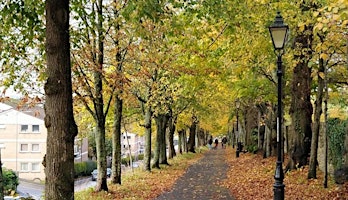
<point x="201" y="180"/>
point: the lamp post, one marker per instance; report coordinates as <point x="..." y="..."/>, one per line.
<point x="279" y="32"/>
<point x="237" y="104"/>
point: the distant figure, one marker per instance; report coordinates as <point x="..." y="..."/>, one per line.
<point x="210" y="142"/>
<point x="216" y="143"/>
<point x="223" y="142"/>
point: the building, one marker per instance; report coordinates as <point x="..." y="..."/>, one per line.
<point x="23" y="141"/>
<point x="81" y="150"/>
<point x="23" y="137"/>
<point x="132" y="144"/>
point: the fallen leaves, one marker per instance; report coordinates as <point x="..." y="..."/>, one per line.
<point x="249" y="177"/>
<point x="252" y="177"/>
<point x="145" y="185"/>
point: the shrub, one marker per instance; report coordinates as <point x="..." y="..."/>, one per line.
<point x="84" y="168"/>
<point x="10" y="181"/>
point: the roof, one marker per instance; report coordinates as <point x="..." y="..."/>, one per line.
<point x="31" y="108"/>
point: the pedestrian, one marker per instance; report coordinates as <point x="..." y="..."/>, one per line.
<point x="216" y="143"/>
<point x="210" y="142"/>
<point x="223" y="142"/>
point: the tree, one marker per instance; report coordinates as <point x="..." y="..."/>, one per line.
<point x="301" y="107"/>
<point x="329" y="31"/>
<point x="59" y="118"/>
<point x="89" y="75"/>
<point x="22" y="55"/>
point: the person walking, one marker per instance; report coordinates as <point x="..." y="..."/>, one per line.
<point x="223" y="142"/>
<point x="216" y="142"/>
<point x="210" y="142"/>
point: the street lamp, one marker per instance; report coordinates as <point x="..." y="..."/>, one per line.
<point x="279" y="32"/>
<point x="237" y="104"/>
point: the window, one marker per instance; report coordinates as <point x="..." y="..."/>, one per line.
<point x="35" y="167"/>
<point x="24" y="147"/>
<point x="36" y="128"/>
<point x="24" y="167"/>
<point x="24" y="128"/>
<point x="35" y="147"/>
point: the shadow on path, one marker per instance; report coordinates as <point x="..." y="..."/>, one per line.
<point x="201" y="180"/>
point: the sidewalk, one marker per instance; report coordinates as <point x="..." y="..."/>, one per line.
<point x="201" y="180"/>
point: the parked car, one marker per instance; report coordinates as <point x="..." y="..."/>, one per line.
<point x="95" y="174"/>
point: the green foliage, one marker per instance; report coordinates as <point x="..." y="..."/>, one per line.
<point x="22" y="34"/>
<point x="336" y="133"/>
<point x="252" y="148"/>
<point x="84" y="168"/>
<point x="10" y="181"/>
<point x="141" y="157"/>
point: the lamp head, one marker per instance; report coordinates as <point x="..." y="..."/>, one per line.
<point x="279" y="32"/>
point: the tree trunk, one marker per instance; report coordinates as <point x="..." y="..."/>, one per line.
<point x="163" y="146"/>
<point x="312" y="172"/>
<point x="161" y="124"/>
<point x="148" y="133"/>
<point x="326" y="144"/>
<point x="185" y="141"/>
<point x="171" y="126"/>
<point x="181" y="140"/>
<point x="59" y="118"/>
<point x="301" y="108"/>
<point x="116" y="142"/>
<point x="270" y="138"/>
<point x="99" y="105"/>
<point x="116" y="136"/>
<point x="192" y="138"/>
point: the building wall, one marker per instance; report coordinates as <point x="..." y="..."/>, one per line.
<point x="132" y="143"/>
<point x="81" y="150"/>
<point x="24" y="139"/>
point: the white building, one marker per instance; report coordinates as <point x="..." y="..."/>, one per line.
<point x="132" y="144"/>
<point x="23" y="141"/>
<point x="23" y="136"/>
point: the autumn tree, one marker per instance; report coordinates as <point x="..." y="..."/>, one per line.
<point x="88" y="71"/>
<point x="330" y="51"/>
<point x="59" y="118"/>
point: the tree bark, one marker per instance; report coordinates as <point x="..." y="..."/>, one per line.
<point x="301" y="107"/>
<point x="116" y="136"/>
<point x="171" y="126"/>
<point x="163" y="146"/>
<point x="99" y="105"/>
<point x="59" y="118"/>
<point x="201" y="137"/>
<point x="148" y="133"/>
<point x="116" y="142"/>
<point x="312" y="172"/>
<point x="192" y="138"/>
<point x="181" y="140"/>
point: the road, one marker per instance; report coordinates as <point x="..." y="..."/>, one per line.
<point x="27" y="189"/>
<point x="36" y="190"/>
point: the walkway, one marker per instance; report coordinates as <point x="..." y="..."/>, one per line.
<point x="201" y="180"/>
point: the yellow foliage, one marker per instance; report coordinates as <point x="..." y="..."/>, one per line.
<point x="324" y="56"/>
